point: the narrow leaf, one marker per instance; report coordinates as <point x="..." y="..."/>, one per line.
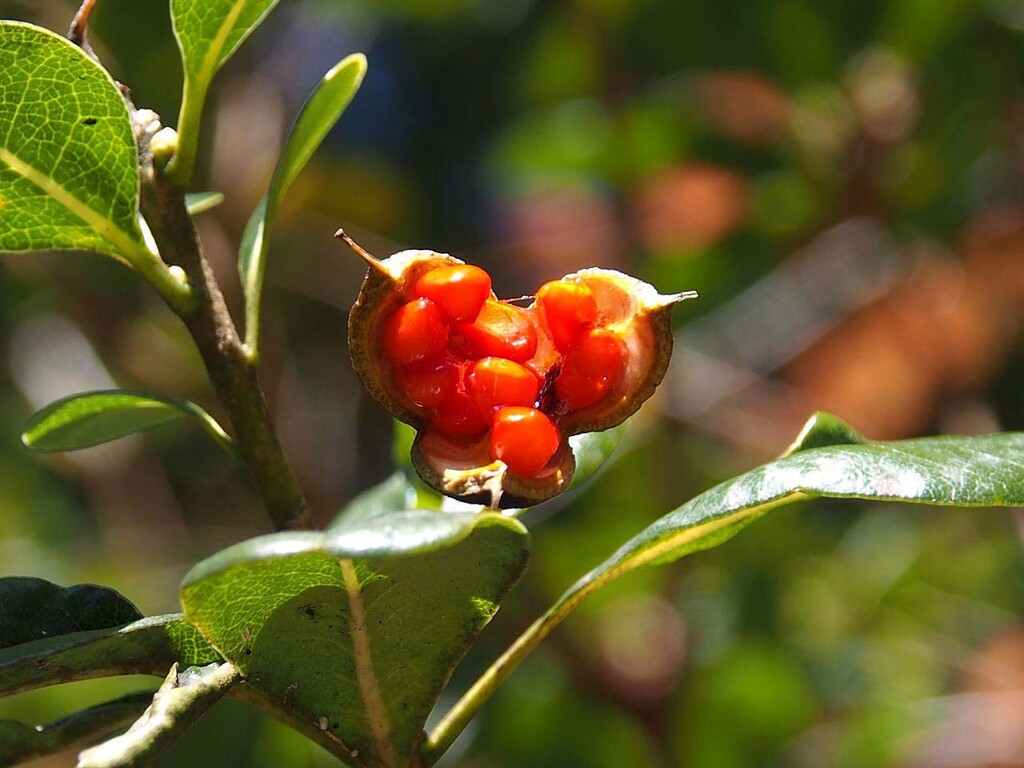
<point x="201" y="202"/>
<point x="178" y="703"/>
<point x="34" y="609"/>
<point x="146" y="647"/>
<point x="359" y="628"/>
<point x="318" y="115"/>
<point x="951" y="471"/>
<point x="74" y="185"/>
<point x="208" y="32"/>
<point x="91" y="418"/>
<point x="20" y="742"/>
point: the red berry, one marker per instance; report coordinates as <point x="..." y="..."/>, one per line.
<point x="578" y="391"/>
<point x="590" y="369"/>
<point x="500" y="330"/>
<point x="428" y="384"/>
<point x="568" y="310"/>
<point x="459" y="291"/>
<point x="415" y="332"/>
<point x="524" y="438"/>
<point x="494" y="382"/>
<point x="598" y="353"/>
<point x="459" y="415"/>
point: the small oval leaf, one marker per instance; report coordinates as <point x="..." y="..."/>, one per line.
<point x="74" y="185"/>
<point x="91" y="418"/>
<point x="201" y="202"/>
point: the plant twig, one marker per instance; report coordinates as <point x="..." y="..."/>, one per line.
<point x="176" y="706"/>
<point x="232" y="374"/>
<point x="78" y="33"/>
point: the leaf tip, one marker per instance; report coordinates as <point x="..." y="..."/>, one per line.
<point x="824" y="429"/>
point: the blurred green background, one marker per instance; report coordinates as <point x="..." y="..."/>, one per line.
<point x="843" y="183"/>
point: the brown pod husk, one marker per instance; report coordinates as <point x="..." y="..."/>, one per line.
<point x="462" y="467"/>
<point x="641" y="318"/>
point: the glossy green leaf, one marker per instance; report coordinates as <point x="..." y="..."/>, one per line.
<point x="318" y="115"/>
<point x="201" y="202"/>
<point x="952" y="471"/>
<point x="92" y="418"/>
<point x="20" y="742"/>
<point x="68" y="160"/>
<point x="358" y="628"/>
<point x="146" y="647"/>
<point x="208" y="32"/>
<point x="34" y="609"/>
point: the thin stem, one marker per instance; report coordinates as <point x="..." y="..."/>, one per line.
<point x="460" y="715"/>
<point x="173" y="289"/>
<point x="215" y="430"/>
<point x="232" y="375"/>
<point x="193" y="97"/>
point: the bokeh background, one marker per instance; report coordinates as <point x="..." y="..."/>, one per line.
<point x="843" y="183"/>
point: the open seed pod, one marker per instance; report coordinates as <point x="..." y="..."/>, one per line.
<point x="493" y="389"/>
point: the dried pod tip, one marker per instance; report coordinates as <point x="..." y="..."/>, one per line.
<point x="372" y="261"/>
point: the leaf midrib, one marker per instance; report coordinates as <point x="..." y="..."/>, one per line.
<point x="211" y="59"/>
<point x="123" y="242"/>
<point x="369" y="689"/>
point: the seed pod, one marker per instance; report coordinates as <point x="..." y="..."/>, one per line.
<point x="477" y="437"/>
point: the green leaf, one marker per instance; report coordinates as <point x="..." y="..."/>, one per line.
<point x="201" y="202"/>
<point x="73" y="185"/>
<point x="20" y="742"/>
<point x="146" y="647"/>
<point x="208" y="32"/>
<point x="318" y="115"/>
<point x="358" y="628"/>
<point x="68" y="160"/>
<point x="92" y="418"/>
<point x="952" y="471"/>
<point x="33" y="609"/>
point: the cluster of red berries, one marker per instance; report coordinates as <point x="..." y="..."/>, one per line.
<point x="475" y="365"/>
